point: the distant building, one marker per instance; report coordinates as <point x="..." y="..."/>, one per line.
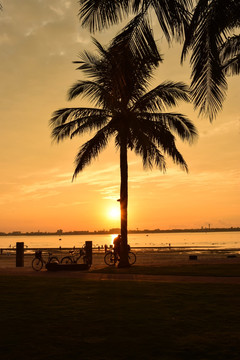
<point x="115" y="231"/>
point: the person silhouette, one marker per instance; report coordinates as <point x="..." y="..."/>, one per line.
<point x="117" y="245"/>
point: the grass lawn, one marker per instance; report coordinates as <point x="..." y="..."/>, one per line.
<point x="51" y="318"/>
<point x="185" y="270"/>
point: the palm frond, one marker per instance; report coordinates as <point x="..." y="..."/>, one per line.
<point x="84" y="88"/>
<point x="137" y="36"/>
<point x="230" y="55"/>
<point x="200" y="12"/>
<point x="94" y="91"/>
<point x="66" y="121"/>
<point x="94" y="122"/>
<point x="90" y="62"/>
<point x="164" y="95"/>
<point x="62" y="115"/>
<point x="165" y="140"/>
<point x="92" y="148"/>
<point x="232" y="66"/>
<point x="147" y="149"/>
<point x="177" y="157"/>
<point x="206" y="34"/>
<point x="160" y="135"/>
<point x="208" y="86"/>
<point x="177" y="123"/>
<point x="173" y="17"/>
<point x="99" y="14"/>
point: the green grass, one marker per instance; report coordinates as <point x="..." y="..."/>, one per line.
<point x="187" y="270"/>
<point x="53" y="318"/>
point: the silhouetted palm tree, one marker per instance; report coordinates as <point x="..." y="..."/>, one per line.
<point x="126" y="111"/>
<point x="215" y="52"/>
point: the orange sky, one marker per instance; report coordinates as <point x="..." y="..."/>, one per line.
<point x="38" y="42"/>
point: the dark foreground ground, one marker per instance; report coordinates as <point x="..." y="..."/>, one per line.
<point x="166" y="308"/>
<point x="65" y="318"/>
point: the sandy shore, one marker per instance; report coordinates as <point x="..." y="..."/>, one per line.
<point x="144" y="258"/>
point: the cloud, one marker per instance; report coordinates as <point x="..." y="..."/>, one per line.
<point x="175" y="177"/>
<point x="106" y="181"/>
<point x="44" y="185"/>
<point x="110" y="192"/>
<point x="222" y="129"/>
<point x="40" y="173"/>
<point x="70" y="204"/>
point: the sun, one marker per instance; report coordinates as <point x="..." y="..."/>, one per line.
<point x="114" y="213"/>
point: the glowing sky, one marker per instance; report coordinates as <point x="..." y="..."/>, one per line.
<point x="39" y="39"/>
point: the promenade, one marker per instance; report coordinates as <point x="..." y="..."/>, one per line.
<point x="145" y="259"/>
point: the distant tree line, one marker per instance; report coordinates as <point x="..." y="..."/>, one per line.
<point x="113" y="231"/>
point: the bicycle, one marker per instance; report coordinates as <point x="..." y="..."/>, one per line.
<point x="75" y="256"/>
<point x="111" y="258"/>
<point x="38" y="261"/>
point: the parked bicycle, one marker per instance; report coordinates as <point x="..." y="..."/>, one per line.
<point x="39" y="261"/>
<point x="75" y="257"/>
<point x="111" y="258"/>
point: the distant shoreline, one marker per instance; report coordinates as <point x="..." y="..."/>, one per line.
<point x="116" y="231"/>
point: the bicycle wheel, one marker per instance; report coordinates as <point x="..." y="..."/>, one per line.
<point x="66" y="260"/>
<point x="53" y="259"/>
<point x="131" y="258"/>
<point x="37" y="264"/>
<point x="110" y="259"/>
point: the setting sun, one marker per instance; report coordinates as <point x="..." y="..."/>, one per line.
<point x="114" y="213"/>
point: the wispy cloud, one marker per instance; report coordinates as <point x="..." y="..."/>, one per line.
<point x="110" y="192"/>
<point x="222" y="129"/>
<point x="103" y="180"/>
<point x="70" y="204"/>
<point x="45" y="185"/>
<point x="106" y="182"/>
<point x="43" y="172"/>
<point x="176" y="177"/>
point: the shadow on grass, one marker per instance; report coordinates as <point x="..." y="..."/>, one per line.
<point x="229" y="270"/>
<point x="52" y="318"/>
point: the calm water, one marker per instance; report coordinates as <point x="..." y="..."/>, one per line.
<point x="215" y="239"/>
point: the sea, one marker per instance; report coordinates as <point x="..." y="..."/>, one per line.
<point x="205" y="240"/>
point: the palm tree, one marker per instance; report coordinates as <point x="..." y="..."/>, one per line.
<point x="215" y="51"/>
<point x="126" y="111"/>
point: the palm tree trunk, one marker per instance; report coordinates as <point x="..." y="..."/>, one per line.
<point x="124" y="204"/>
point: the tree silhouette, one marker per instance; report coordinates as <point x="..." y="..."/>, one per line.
<point x="125" y="110"/>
